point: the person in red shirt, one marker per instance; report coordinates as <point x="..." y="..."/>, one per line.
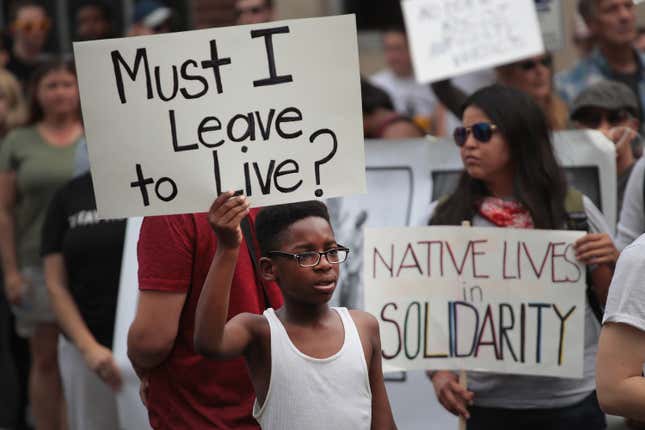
<point x="181" y="389"/>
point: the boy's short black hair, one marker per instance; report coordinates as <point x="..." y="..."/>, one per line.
<point x="272" y="221"/>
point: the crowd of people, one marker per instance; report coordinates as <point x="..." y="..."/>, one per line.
<point x="233" y="327"/>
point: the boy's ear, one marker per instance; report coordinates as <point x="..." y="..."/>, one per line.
<point x="267" y="269"/>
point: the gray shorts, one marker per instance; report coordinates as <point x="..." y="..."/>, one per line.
<point x="35" y="307"/>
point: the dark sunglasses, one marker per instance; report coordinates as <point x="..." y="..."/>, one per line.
<point x="532" y="64"/>
<point x="32" y="26"/>
<point x="592" y="118"/>
<point x="483" y="132"/>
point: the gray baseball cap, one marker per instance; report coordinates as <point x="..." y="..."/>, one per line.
<point x="610" y="95"/>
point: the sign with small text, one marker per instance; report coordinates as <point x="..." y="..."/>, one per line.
<point x="452" y="37"/>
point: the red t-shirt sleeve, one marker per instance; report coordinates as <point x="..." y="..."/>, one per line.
<point x="165" y="253"/>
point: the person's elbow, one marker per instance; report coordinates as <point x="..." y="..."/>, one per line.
<point x="147" y="348"/>
<point x="608" y="394"/>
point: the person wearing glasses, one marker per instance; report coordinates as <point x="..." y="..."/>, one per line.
<point x="532" y="75"/>
<point x="254" y="11"/>
<point x="30" y="25"/>
<point x="511" y="179"/>
<point x="611" y="108"/>
<point x="312" y="366"/>
<point x="182" y="389"/>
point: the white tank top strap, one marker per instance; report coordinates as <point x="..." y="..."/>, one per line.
<point x="300" y="384"/>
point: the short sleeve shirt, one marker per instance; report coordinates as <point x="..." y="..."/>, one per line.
<point x="92" y="249"/>
<point x="626" y="298"/>
<point x="41" y="169"/>
<point x="188" y="391"/>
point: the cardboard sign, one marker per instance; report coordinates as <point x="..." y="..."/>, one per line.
<point x="270" y="110"/>
<point x="552" y="23"/>
<point x="450" y="38"/>
<point x="487" y="299"/>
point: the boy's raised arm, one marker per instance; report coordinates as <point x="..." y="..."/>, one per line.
<point x="214" y="337"/>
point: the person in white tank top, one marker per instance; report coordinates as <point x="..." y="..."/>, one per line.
<point x="312" y="366"/>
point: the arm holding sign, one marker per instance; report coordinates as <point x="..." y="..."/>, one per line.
<point x="450" y="393"/>
<point x="621" y="350"/>
<point x="214" y="336"/>
<point x="597" y="250"/>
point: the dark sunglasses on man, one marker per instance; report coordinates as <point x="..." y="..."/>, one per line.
<point x="532" y="64"/>
<point x="482" y="131"/>
<point x="593" y="117"/>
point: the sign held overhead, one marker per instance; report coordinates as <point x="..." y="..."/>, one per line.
<point x="272" y="111"/>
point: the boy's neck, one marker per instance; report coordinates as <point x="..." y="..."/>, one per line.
<point x="303" y="314"/>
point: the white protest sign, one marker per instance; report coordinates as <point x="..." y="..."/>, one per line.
<point x="452" y="37"/>
<point x="552" y="23"/>
<point x="498" y="300"/>
<point x="272" y="110"/>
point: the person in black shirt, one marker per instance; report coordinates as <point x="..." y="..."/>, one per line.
<point x="82" y="256"/>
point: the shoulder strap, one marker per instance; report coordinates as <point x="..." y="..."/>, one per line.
<point x="577" y="220"/>
<point x="253" y="253"/>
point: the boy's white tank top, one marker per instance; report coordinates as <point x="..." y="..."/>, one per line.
<point x="316" y="393"/>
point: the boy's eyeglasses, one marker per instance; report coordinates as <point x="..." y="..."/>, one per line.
<point x="592" y="118"/>
<point x="483" y="132"/>
<point x="32" y="26"/>
<point x="532" y="64"/>
<point x="312" y="258"/>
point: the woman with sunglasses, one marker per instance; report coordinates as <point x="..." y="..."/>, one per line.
<point x="511" y="179"/>
<point x="533" y="76"/>
<point x="29" y="29"/>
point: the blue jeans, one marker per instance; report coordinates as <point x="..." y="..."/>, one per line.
<point x="585" y="415"/>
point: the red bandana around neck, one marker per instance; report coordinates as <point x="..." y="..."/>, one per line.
<point x="505" y="213"/>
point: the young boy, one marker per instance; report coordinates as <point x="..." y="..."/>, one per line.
<point x="312" y="366"/>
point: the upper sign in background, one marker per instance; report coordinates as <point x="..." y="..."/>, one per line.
<point x="450" y="38"/>
<point x="272" y="110"/>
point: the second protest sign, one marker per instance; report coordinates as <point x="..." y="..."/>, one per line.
<point x="496" y="300"/>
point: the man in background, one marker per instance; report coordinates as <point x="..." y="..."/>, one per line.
<point x="611" y="108"/>
<point x="254" y="11"/>
<point x="613" y="25"/>
<point x="93" y="20"/>
<point x="410" y="98"/>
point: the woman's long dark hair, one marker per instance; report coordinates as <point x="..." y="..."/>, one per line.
<point x="539" y="182"/>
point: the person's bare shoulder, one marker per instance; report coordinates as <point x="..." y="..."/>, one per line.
<point x="256" y="324"/>
<point x="365" y="322"/>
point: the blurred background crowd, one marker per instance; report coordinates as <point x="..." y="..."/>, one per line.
<point x="40" y="120"/>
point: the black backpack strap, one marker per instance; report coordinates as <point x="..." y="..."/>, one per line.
<point x="577" y="220"/>
<point x="247" y="232"/>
